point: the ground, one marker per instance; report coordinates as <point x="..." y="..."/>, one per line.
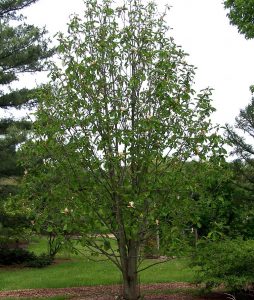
<point x="159" y="291"/>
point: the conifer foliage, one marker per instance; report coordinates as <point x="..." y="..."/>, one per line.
<point x="23" y="49"/>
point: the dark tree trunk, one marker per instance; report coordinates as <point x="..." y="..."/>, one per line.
<point x="131" y="289"/>
<point x="129" y="250"/>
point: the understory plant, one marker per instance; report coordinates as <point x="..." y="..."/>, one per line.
<point x="17" y="256"/>
<point x="228" y="262"/>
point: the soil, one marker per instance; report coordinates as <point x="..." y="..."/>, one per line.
<point x="152" y="292"/>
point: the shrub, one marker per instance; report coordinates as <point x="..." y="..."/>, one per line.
<point x="13" y="256"/>
<point x="40" y="261"/>
<point x="21" y="256"/>
<point x="229" y="262"/>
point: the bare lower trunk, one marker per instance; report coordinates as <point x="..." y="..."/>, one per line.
<point x="131" y="289"/>
<point x="129" y="250"/>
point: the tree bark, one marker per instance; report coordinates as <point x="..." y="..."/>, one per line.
<point x="131" y="289"/>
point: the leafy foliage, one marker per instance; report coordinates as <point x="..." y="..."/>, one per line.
<point x="114" y="128"/>
<point x="213" y="206"/>
<point x="12" y="256"/>
<point x="15" y="256"/>
<point x="39" y="261"/>
<point x="229" y="262"/>
<point x="241" y="14"/>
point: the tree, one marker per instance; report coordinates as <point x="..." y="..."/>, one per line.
<point x="221" y="206"/>
<point x="241" y="14"/>
<point x="23" y="49"/>
<point x="240" y="137"/>
<point x="115" y="125"/>
<point x="244" y="123"/>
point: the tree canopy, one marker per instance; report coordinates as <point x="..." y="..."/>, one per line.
<point x="241" y="14"/>
<point x="23" y="49"/>
<point x="244" y="123"/>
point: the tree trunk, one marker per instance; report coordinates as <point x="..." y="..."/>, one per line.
<point x="131" y="289"/>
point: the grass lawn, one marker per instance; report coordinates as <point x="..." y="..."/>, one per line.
<point x="79" y="271"/>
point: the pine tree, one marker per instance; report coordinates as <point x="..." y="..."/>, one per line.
<point x="23" y="49"/>
<point x="241" y="138"/>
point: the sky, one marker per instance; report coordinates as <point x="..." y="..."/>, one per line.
<point x="224" y="58"/>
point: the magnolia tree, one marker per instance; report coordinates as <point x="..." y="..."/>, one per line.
<point x="116" y="123"/>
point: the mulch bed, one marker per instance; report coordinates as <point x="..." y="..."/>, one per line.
<point x="151" y="291"/>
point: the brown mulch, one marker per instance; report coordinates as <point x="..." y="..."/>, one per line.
<point x="102" y="292"/>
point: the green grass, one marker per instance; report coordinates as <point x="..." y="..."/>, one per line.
<point x="79" y="271"/>
<point x="171" y="271"/>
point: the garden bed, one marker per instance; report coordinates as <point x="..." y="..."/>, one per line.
<point x="170" y="291"/>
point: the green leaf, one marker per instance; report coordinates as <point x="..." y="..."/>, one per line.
<point x="106" y="245"/>
<point x="49" y="229"/>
